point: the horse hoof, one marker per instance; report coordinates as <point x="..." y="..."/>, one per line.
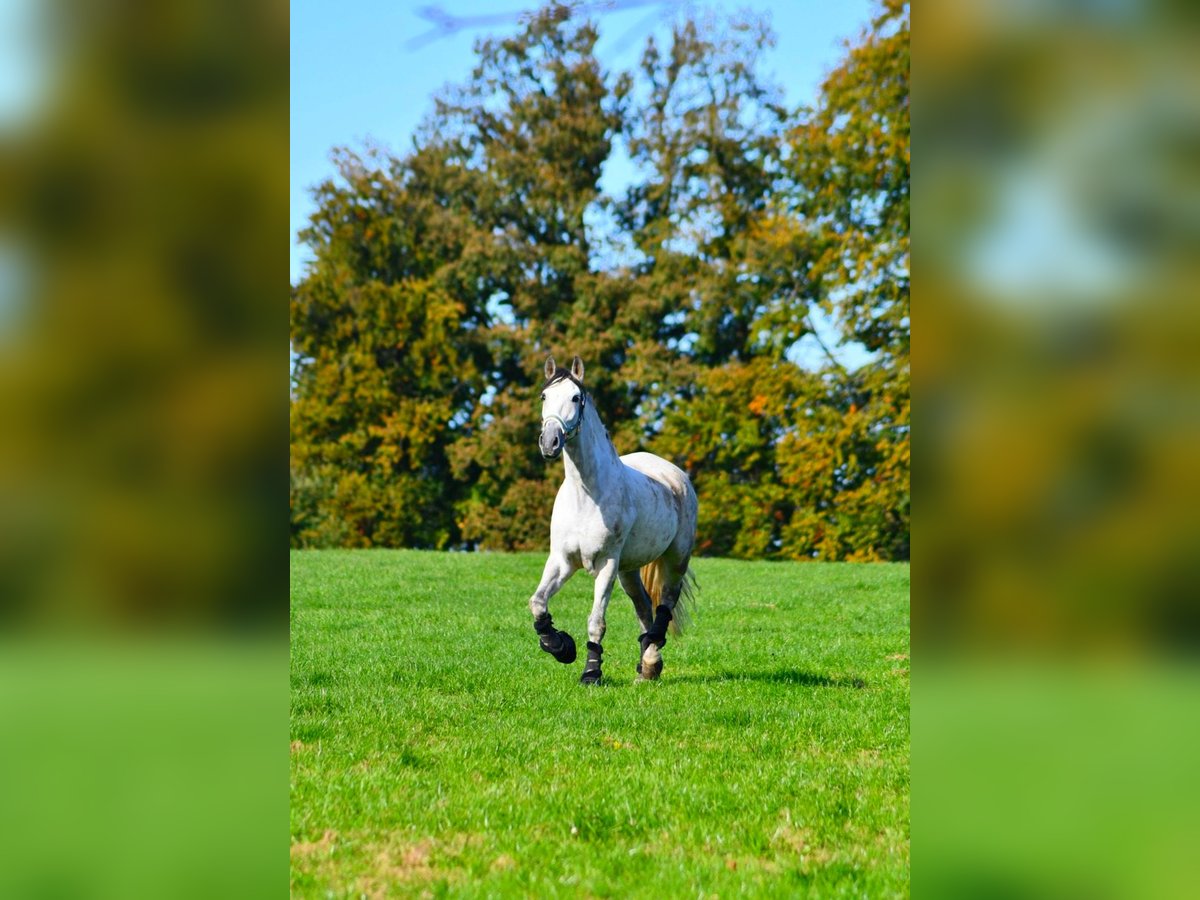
<point x="590" y="676"/>
<point x="560" y="645"/>
<point x="651" y="666"/>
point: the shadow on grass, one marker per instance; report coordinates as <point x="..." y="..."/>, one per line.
<point x="794" y="677"/>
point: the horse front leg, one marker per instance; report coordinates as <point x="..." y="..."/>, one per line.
<point x="606" y="577"/>
<point x="557" y="643"/>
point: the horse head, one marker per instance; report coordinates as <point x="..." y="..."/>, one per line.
<point x="563" y="399"/>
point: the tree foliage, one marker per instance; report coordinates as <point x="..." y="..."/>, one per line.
<point x="440" y="281"/>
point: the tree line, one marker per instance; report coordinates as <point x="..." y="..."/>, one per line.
<point x="441" y="279"/>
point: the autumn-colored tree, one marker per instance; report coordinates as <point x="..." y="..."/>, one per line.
<point x="814" y="465"/>
<point x="850" y="164"/>
<point x="440" y="281"/>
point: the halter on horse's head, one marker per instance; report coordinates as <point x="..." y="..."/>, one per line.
<point x="563" y="400"/>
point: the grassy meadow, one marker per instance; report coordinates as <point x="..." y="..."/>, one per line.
<point x="435" y="750"/>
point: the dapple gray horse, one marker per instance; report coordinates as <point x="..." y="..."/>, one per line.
<point x="630" y="519"/>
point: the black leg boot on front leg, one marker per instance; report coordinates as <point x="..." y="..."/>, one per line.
<point x="557" y="643"/>
<point x="591" y="669"/>
<point x="650" y="664"/>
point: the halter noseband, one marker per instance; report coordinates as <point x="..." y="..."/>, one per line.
<point x="572" y="429"/>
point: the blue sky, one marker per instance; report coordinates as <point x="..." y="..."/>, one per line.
<point x="355" y="77"/>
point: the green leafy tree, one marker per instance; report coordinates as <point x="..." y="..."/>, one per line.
<point x="708" y="134"/>
<point x="386" y="351"/>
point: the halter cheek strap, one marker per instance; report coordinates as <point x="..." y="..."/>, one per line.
<point x="569" y="431"/>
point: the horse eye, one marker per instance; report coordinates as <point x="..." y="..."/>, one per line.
<point x="575" y="398"/>
<point x="543" y="397"/>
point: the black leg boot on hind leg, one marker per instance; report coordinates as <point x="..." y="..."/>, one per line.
<point x="557" y="643"/>
<point x="591" y="669"/>
<point x="650" y="665"/>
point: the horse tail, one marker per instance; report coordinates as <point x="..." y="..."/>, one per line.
<point x="654" y="579"/>
<point x="681" y="615"/>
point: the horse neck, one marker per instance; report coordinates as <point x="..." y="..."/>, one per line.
<point x="592" y="461"/>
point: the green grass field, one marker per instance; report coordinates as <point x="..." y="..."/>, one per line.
<point x="437" y="751"/>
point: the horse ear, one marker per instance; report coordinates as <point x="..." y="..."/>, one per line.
<point x="577" y="369"/>
<point x="550" y="367"/>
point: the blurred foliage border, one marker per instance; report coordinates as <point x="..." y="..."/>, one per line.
<point x="143" y="206"/>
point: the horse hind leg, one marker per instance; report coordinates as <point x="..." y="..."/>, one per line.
<point x="650" y="665"/>
<point x="667" y="583"/>
<point x="643" y="606"/>
<point x="664" y="584"/>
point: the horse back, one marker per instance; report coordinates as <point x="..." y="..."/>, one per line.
<point x="659" y="470"/>
<point x="661" y="474"/>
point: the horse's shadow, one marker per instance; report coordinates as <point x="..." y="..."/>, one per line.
<point x="791" y="677"/>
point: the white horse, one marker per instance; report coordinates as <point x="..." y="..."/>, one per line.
<point x="629" y="518"/>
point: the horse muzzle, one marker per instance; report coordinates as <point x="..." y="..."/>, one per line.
<point x="552" y="440"/>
